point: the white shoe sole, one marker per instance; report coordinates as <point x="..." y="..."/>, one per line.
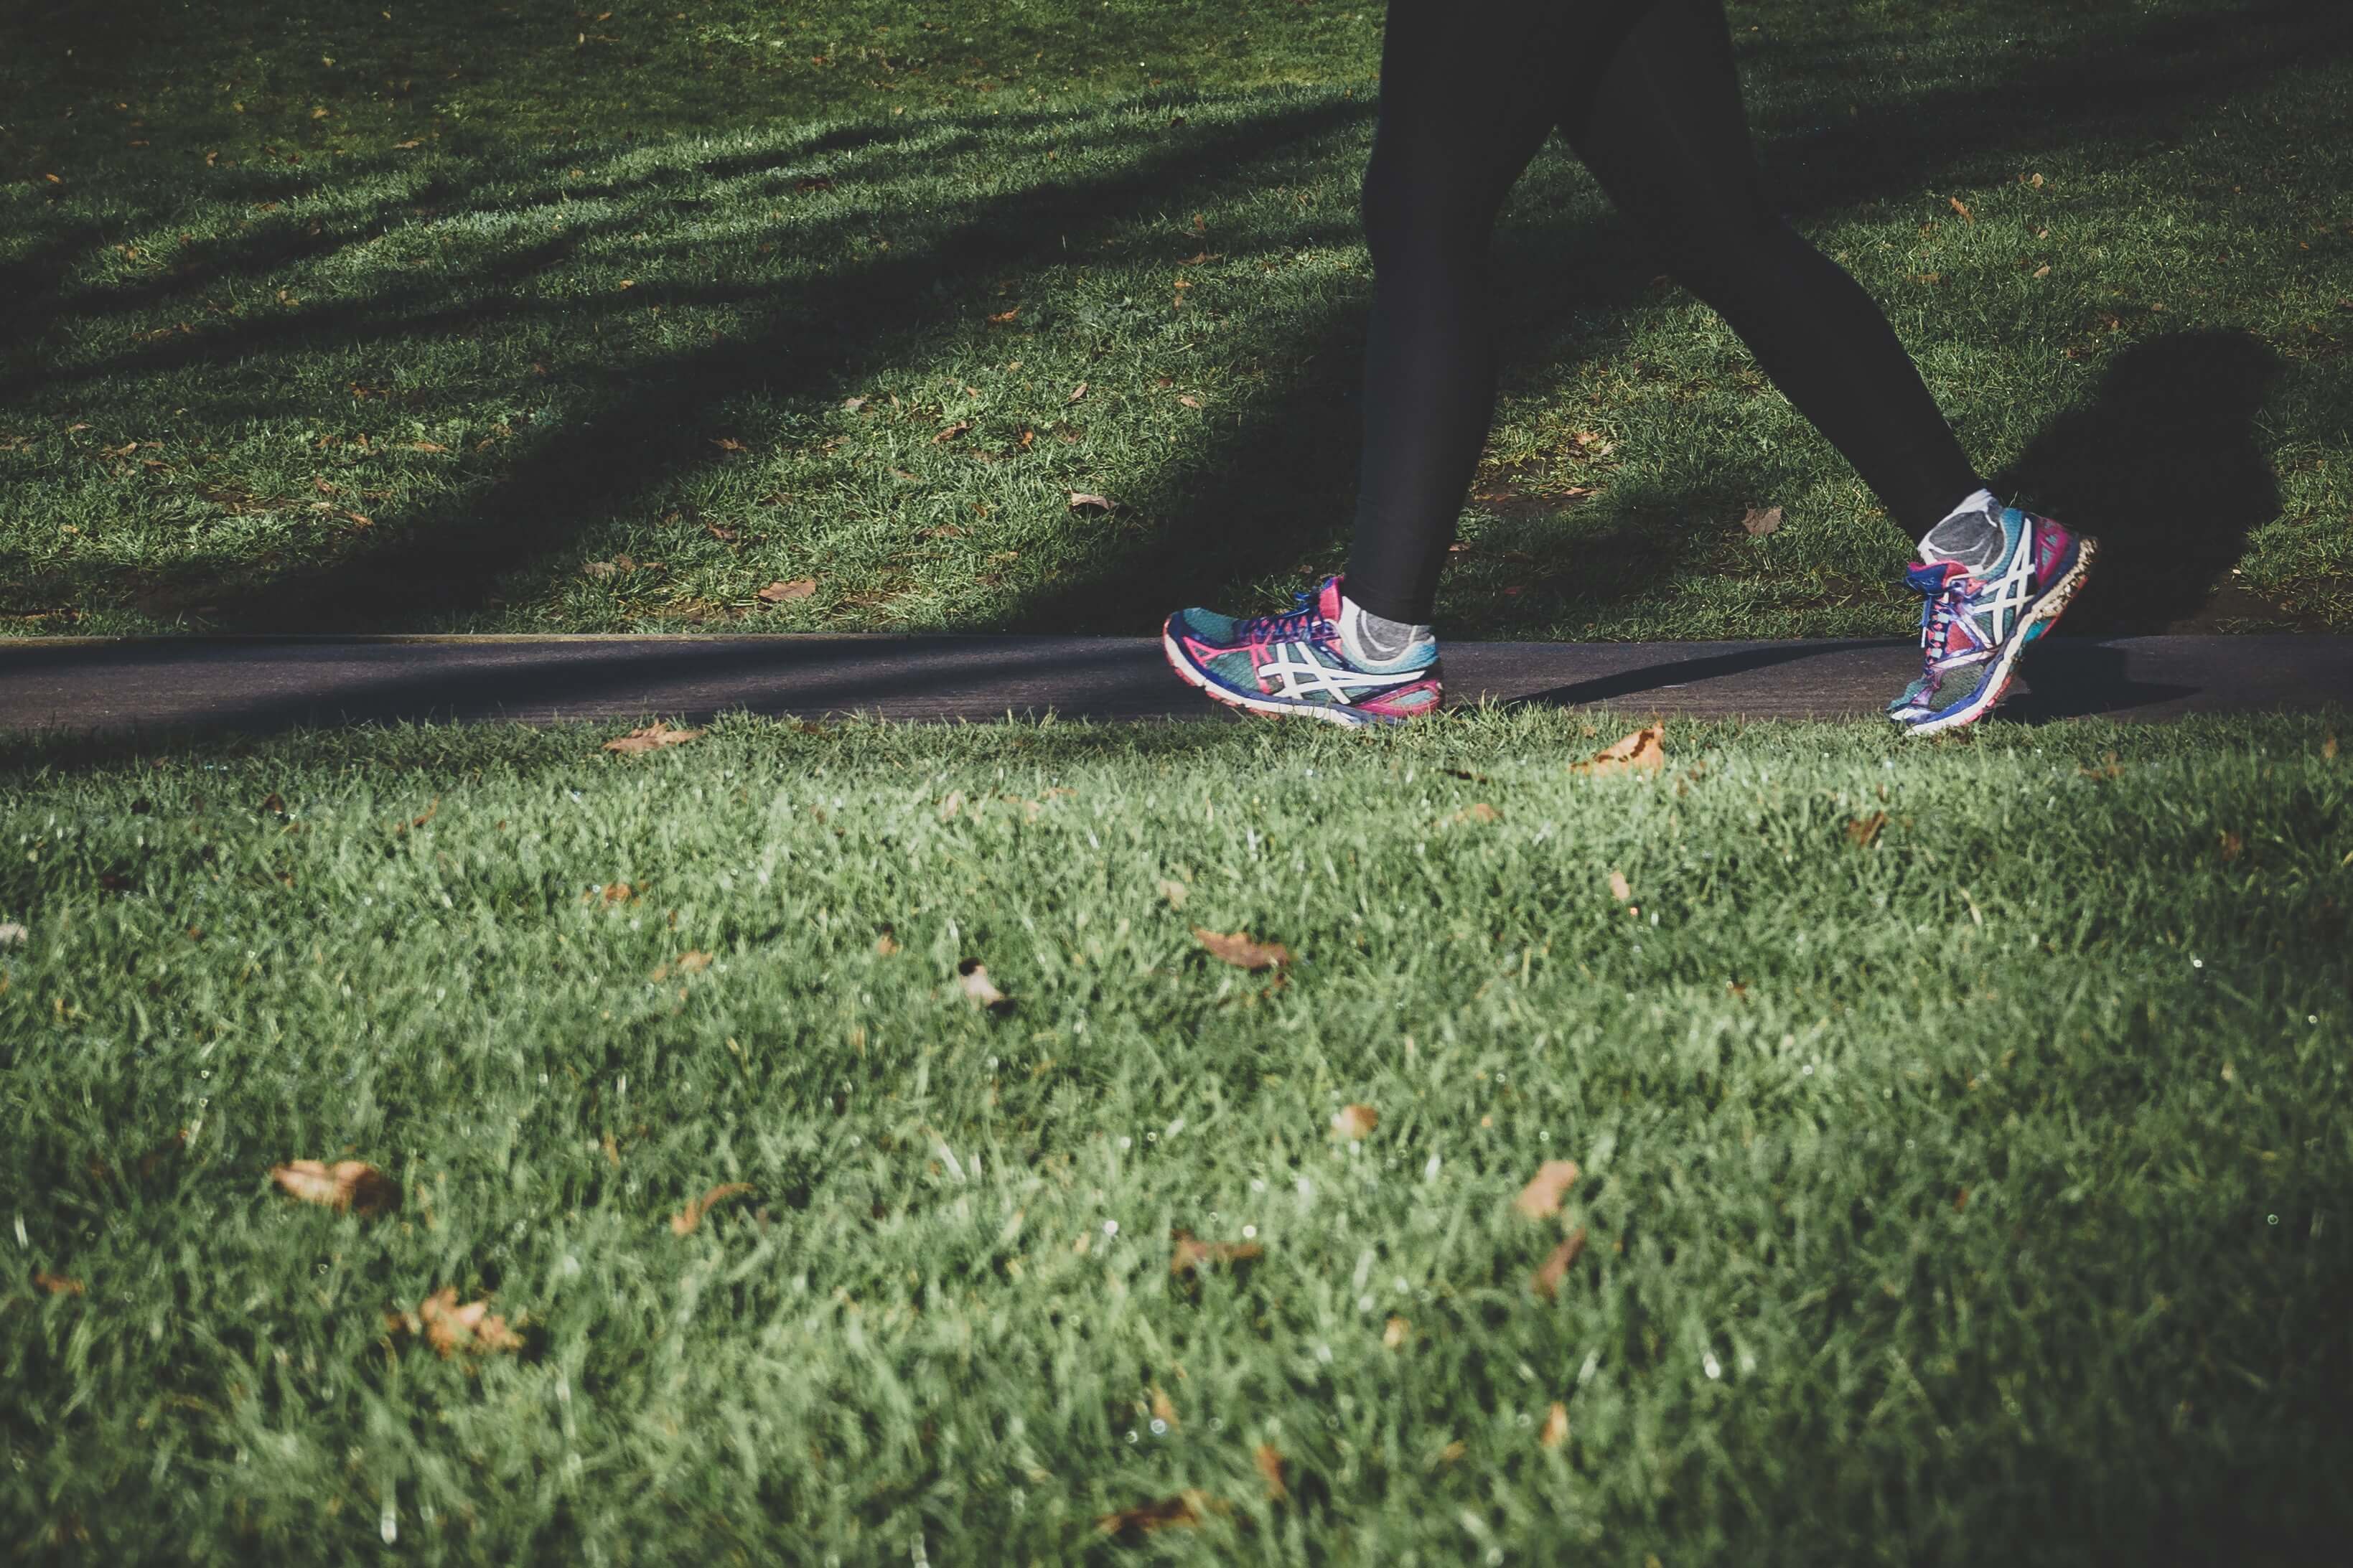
<point x="1996" y="685"/>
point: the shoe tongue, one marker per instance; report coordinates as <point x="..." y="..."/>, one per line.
<point x="1327" y="600"/>
<point x="1930" y="576"/>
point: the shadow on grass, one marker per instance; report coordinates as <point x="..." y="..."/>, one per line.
<point x="1267" y="498"/>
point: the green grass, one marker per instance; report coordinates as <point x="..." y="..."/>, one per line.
<point x="1975" y="1194"/>
<point x="529" y="318"/>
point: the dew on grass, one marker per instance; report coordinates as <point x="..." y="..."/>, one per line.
<point x="1131" y="1434"/>
<point x="1111" y="1227"/>
<point x="1127" y="1142"/>
<point x="1159" y="1428"/>
<point x="1710" y="1365"/>
<point x="2271" y="1219"/>
<point x="388" y="1526"/>
<point x="1249" y="1232"/>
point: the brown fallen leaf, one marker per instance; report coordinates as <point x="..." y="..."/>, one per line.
<point x="729" y="443"/>
<point x="1354" y="1122"/>
<point x="1004" y="318"/>
<point x="347" y="1185"/>
<point x="1186" y="1509"/>
<point x="1394" y="1334"/>
<point x="613" y="893"/>
<point x="1176" y="893"/>
<point x="1076" y="393"/>
<point x="693" y="961"/>
<point x="1644" y="751"/>
<point x="1081" y="501"/>
<point x="951" y="432"/>
<point x="1962" y="207"/>
<point x="426" y="446"/>
<point x="2232" y="845"/>
<point x="1545" y="1281"/>
<point x="781" y="592"/>
<point x="886" y="944"/>
<point x="2328" y="748"/>
<point x="1555" y="1430"/>
<point x="684" y="1222"/>
<point x="599" y="570"/>
<point x="1479" y="811"/>
<point x="951" y="804"/>
<point x="1189" y="401"/>
<point x="1620" y="889"/>
<point x="450" y="1327"/>
<point x="2109" y="768"/>
<point x="1163" y="1408"/>
<point x="56" y="1284"/>
<point x="2043" y="270"/>
<point x="1863" y="831"/>
<point x="971" y="979"/>
<point x="1759" y="522"/>
<point x="1269" y="1459"/>
<point x="852" y="405"/>
<point x="1190" y="1253"/>
<point x="408" y="146"/>
<point x="1241" y="951"/>
<point x="652" y="738"/>
<point x="1540" y="1199"/>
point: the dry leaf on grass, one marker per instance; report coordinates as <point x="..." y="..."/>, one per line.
<point x="1761" y="521"/>
<point x="1354" y="1122"/>
<point x="1269" y="1459"/>
<point x="56" y="1284"/>
<point x="1076" y="393"/>
<point x="1555" y="1430"/>
<point x="1187" y="1509"/>
<point x="1190" y="1254"/>
<point x="2232" y="845"/>
<point x="1545" y="1281"/>
<point x="1644" y="751"/>
<point x="1394" y="1334"/>
<point x="1175" y="892"/>
<point x="2328" y="748"/>
<point x="1540" y="1199"/>
<point x="14" y="934"/>
<point x="1620" y="889"/>
<point x="684" y="1222"/>
<point x="1479" y="811"/>
<point x="1962" y="207"/>
<point x="1163" y="1408"/>
<point x="347" y="1185"/>
<point x="1241" y="951"/>
<point x="1083" y="501"/>
<point x="781" y="592"/>
<point x="971" y="979"/>
<point x="951" y="432"/>
<point x="652" y="738"/>
<point x="1863" y="831"/>
<point x="451" y="1329"/>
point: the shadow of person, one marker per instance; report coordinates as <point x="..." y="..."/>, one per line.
<point x="2163" y="467"/>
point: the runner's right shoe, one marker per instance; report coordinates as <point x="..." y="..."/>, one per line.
<point x="1294" y="663"/>
<point x="1981" y="614"/>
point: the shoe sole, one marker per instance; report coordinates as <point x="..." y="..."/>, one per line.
<point x="1270" y="707"/>
<point x="2039" y="620"/>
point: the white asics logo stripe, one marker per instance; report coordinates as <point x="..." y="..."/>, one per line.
<point x="1304" y="674"/>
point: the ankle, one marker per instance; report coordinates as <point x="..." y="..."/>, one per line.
<point x="1375" y="641"/>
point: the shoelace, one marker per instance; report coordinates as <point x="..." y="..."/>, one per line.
<point x="1936" y="618"/>
<point x="1292" y="624"/>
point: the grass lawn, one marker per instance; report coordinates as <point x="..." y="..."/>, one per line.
<point x="1964" y="1130"/>
<point x="523" y="317"/>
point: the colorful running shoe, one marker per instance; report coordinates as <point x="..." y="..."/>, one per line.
<point x="1295" y="663"/>
<point x="1996" y="581"/>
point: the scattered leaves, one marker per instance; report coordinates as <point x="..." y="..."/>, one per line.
<point x="2328" y="748"/>
<point x="1620" y="889"/>
<point x="2109" y="768"/>
<point x="1540" y="1199"/>
<point x="2232" y="845"/>
<point x="1555" y="1430"/>
<point x="684" y="1222"/>
<point x="1394" y="1334"/>
<point x="1644" y="751"/>
<point x="1269" y="1459"/>
<point x="1962" y="207"/>
<point x="652" y="738"/>
<point x="1081" y="501"/>
<point x="14" y="934"/>
<point x="56" y="1284"/>
<point x="1163" y="1408"/>
<point x="1479" y="811"/>
<point x="852" y="405"/>
<point x="1761" y="522"/>
<point x="1863" y="831"/>
<point x="1190" y="1254"/>
<point x="1076" y="393"/>
<point x="1241" y="951"/>
<point x="886" y="944"/>
<point x="1004" y="318"/>
<point x="729" y="443"/>
<point x="960" y="427"/>
<point x="972" y="978"/>
<point x="352" y="1186"/>
<point x="1186" y="1509"/>
<point x="1354" y="1122"/>
<point x="951" y="805"/>
<point x="1545" y="1281"/>
<point x="781" y="592"/>
<point x="451" y="1329"/>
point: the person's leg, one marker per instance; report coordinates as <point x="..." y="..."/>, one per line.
<point x="1665" y="134"/>
<point x="1470" y="88"/>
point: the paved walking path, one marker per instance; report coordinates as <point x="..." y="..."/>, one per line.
<point x="263" y="684"/>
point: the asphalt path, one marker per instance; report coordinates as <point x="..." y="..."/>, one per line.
<point x="261" y="685"/>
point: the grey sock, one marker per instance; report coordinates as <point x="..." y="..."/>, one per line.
<point x="1971" y="534"/>
<point x="1384" y="640"/>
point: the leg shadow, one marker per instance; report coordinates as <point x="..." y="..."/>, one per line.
<point x="2164" y="468"/>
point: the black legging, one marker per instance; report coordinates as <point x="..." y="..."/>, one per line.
<point x="1646" y="93"/>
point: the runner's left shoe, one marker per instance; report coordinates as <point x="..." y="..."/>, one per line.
<point x="1294" y="663"/>
<point x="1978" y="620"/>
